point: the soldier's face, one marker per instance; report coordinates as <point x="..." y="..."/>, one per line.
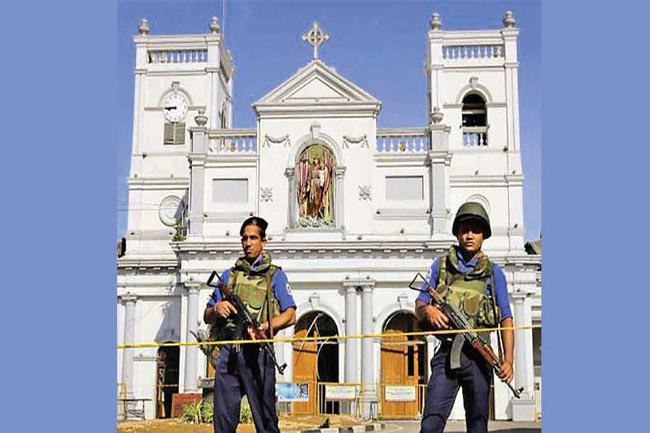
<point x="252" y="242"/>
<point x="470" y="235"/>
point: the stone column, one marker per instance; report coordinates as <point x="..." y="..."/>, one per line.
<point x="287" y="350"/>
<point x="290" y="173"/>
<point x="339" y="196"/>
<point x="439" y="158"/>
<point x="191" y="352"/>
<point x="351" y="344"/>
<point x="129" y="338"/>
<point x="367" y="358"/>
<point x="197" y="157"/>
<point x="523" y="409"/>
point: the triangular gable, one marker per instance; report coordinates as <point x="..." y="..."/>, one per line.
<point x="315" y="83"/>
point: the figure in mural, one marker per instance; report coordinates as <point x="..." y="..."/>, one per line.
<point x="315" y="192"/>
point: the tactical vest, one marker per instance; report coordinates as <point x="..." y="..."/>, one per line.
<point x="472" y="293"/>
<point x="254" y="290"/>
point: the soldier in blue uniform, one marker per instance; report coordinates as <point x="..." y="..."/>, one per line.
<point x="246" y="369"/>
<point x="468" y="279"/>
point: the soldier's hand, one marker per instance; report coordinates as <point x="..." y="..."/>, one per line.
<point x="261" y="332"/>
<point x="224" y="309"/>
<point x="506" y="372"/>
<point x="436" y="318"/>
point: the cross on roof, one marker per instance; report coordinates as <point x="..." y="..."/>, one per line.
<point x="315" y="38"/>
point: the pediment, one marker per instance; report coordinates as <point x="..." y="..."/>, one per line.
<point x="316" y="83"/>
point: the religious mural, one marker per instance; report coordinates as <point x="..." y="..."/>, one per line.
<point x="315" y="187"/>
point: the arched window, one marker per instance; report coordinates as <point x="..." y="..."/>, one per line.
<point x="475" y="124"/>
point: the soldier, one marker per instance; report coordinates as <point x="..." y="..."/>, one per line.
<point x="468" y="279"/>
<point x="247" y="369"/>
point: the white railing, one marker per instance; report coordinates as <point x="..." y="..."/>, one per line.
<point x="232" y="141"/>
<point x="178" y="56"/>
<point x="467" y="52"/>
<point x="475" y="136"/>
<point x="401" y="140"/>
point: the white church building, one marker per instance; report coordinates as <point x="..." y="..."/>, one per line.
<point x="354" y="212"/>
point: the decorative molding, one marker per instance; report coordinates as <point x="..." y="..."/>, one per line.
<point x="234" y="216"/>
<point x="314" y="300"/>
<point x="266" y="194"/>
<point x="170" y="210"/>
<point x="485" y="181"/>
<point x="402" y="301"/>
<point x="363" y="140"/>
<point x="476" y="87"/>
<point x="284" y="139"/>
<point x="402" y="214"/>
<point x="314" y="128"/>
<point x="128" y="297"/>
<point x="365" y="192"/>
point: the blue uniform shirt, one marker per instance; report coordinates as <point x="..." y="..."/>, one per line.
<point x="500" y="286"/>
<point x="280" y="284"/>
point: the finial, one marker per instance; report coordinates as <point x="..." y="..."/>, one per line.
<point x="315" y="38"/>
<point x="201" y="119"/>
<point x="436" y="116"/>
<point x="214" y="25"/>
<point x="435" y="21"/>
<point x="143" y="28"/>
<point x="509" y="20"/>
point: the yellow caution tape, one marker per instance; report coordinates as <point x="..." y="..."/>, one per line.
<point x="323" y="338"/>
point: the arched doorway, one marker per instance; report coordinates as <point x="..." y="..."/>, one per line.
<point x="403" y="367"/>
<point x="315" y="362"/>
<point x="166" y="380"/>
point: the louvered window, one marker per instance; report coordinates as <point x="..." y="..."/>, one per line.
<point x="174" y="133"/>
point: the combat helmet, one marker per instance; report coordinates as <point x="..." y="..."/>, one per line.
<point x="472" y="210"/>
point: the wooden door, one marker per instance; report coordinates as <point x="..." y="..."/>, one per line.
<point x="305" y="358"/>
<point x="399" y="366"/>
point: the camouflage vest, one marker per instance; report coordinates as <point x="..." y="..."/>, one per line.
<point x="254" y="288"/>
<point x="472" y="293"/>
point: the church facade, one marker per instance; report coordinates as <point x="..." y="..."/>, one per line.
<point x="354" y="211"/>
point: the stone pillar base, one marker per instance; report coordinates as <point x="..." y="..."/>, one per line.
<point x="523" y="409"/>
<point x="370" y="409"/>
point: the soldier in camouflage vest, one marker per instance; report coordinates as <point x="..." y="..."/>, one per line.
<point x="466" y="278"/>
<point x="246" y="369"/>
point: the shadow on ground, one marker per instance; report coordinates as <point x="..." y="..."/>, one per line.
<point x="517" y="430"/>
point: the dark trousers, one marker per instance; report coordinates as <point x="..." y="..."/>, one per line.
<point x="473" y="377"/>
<point x="249" y="371"/>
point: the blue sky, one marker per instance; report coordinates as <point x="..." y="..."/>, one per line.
<point x="378" y="45"/>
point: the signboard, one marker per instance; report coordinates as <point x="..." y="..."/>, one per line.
<point x="399" y="393"/>
<point x="292" y="391"/>
<point x="340" y="392"/>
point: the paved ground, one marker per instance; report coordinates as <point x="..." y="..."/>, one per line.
<point x="459" y="426"/>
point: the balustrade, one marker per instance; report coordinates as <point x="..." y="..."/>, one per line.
<point x="475" y="136"/>
<point x="398" y="141"/>
<point x="178" y="56"/>
<point x="472" y="52"/>
<point x="233" y="141"/>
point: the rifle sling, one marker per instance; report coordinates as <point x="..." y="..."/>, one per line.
<point x="269" y="300"/>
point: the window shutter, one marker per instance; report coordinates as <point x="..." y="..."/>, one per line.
<point x="179" y="133"/>
<point x="174" y="133"/>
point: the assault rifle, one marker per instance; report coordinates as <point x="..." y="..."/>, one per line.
<point x="459" y="321"/>
<point x="245" y="316"/>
